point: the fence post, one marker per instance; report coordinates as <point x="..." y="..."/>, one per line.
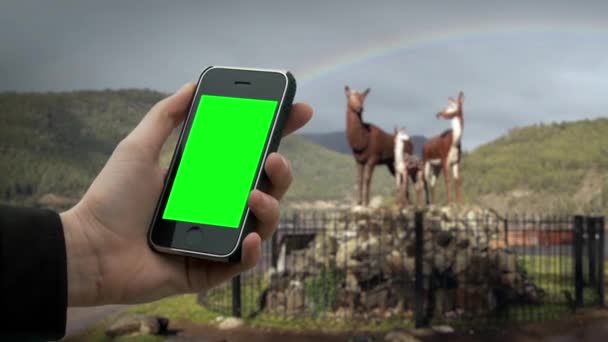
<point x="506" y="222"/>
<point x="591" y="249"/>
<point x="274" y="250"/>
<point x="578" y="260"/>
<point x="420" y="316"/>
<point x="601" y="230"/>
<point x="236" y="296"/>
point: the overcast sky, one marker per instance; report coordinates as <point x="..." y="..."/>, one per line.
<point x="517" y="62"/>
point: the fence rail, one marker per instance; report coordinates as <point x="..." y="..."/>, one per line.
<point x="421" y="268"/>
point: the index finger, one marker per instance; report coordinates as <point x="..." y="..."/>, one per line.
<point x="300" y="114"/>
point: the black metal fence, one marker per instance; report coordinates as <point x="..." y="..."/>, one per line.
<point x="416" y="269"/>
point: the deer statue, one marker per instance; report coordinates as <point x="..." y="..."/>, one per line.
<point x="407" y="167"/>
<point x="444" y="151"/>
<point x="370" y="144"/>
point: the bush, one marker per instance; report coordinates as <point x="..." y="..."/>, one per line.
<point x="320" y="290"/>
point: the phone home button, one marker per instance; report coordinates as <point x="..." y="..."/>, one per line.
<point x="194" y="236"/>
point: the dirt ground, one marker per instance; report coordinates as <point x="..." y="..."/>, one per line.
<point x="588" y="325"/>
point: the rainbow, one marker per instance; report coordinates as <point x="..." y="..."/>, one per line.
<point x="411" y="40"/>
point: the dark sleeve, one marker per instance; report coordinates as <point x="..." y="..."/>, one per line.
<point x="33" y="274"/>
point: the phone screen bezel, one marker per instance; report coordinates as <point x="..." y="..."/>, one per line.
<point x="216" y="241"/>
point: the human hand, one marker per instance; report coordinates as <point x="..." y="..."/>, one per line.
<point x="109" y="260"/>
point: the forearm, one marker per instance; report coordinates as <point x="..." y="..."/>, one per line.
<point x="33" y="274"/>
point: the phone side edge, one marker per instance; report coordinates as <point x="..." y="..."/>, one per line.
<point x="262" y="182"/>
<point x="151" y="243"/>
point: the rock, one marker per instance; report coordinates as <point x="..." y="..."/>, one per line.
<point x="137" y="324"/>
<point x="463" y="243"/>
<point x="410" y="250"/>
<point x="430" y="248"/>
<point x="471" y="226"/>
<point x="299" y="262"/>
<point x="471" y="216"/>
<point x="397" y="263"/>
<point x="482" y="240"/>
<point x="324" y="249"/>
<point x="359" y="209"/>
<point x="335" y="224"/>
<point x="476" y="299"/>
<point x="375" y="298"/>
<point x="295" y="297"/>
<point x="230" y="323"/>
<point x="445" y="226"/>
<point x="461" y="261"/>
<point x="368" y="247"/>
<point x="446" y="213"/>
<point x="443" y="261"/>
<point x="368" y="270"/>
<point x="275" y="301"/>
<point x="345" y="252"/>
<point x="512" y="281"/>
<point x="375" y="202"/>
<point x="443" y="329"/>
<point x="351" y="281"/>
<point x="343" y="313"/>
<point x="507" y="261"/>
<point x="373" y="251"/>
<point x="278" y="281"/>
<point x="536" y="296"/>
<point x="345" y="261"/>
<point x="427" y="268"/>
<point x="443" y="238"/>
<point x="400" y="336"/>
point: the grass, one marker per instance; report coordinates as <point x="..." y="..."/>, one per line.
<point x="321" y="290"/>
<point x="559" y="166"/>
<point x="553" y="274"/>
<point x="325" y="324"/>
<point x="555" y="163"/>
<point x="321" y="174"/>
<point x="57" y="142"/>
<point x="175" y="308"/>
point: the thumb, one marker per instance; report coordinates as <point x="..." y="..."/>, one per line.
<point x="154" y="129"/>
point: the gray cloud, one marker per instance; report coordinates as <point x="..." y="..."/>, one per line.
<point x="510" y="79"/>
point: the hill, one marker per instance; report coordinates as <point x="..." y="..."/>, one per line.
<point x="53" y="145"/>
<point x="545" y="167"/>
<point x="57" y="142"/>
<point x="336" y="141"/>
<point x="327" y="175"/>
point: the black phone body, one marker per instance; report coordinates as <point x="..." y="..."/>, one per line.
<point x="234" y="122"/>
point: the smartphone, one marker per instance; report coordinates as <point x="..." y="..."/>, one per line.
<point x="235" y="121"/>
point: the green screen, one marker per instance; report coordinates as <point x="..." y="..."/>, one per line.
<point x="219" y="161"/>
